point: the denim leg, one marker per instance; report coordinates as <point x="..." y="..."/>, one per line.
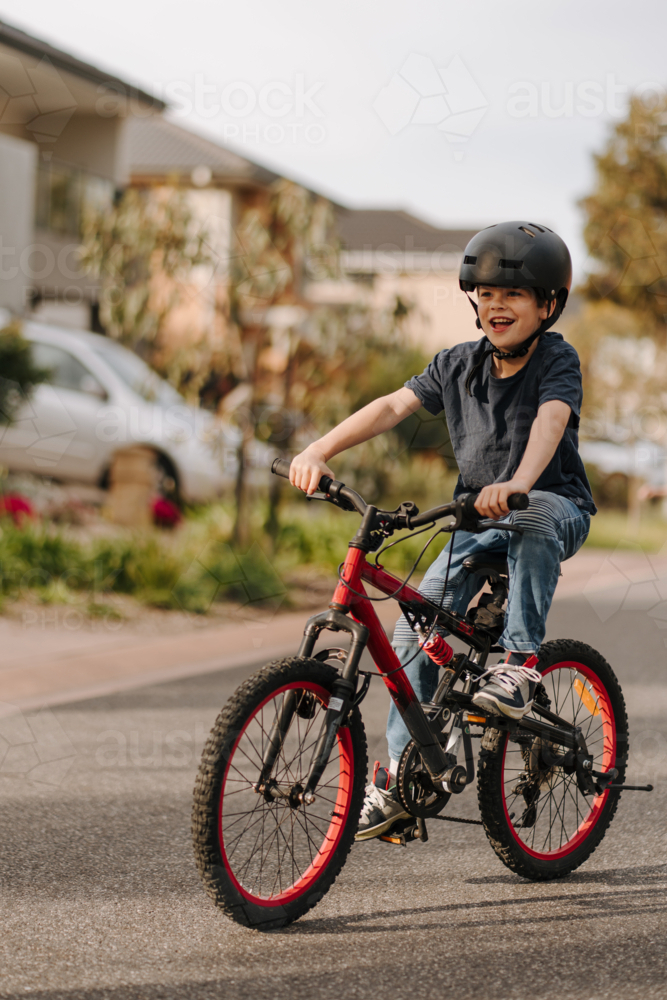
<point x="554" y="529"/>
<point x="422" y="673"/>
<point x="462" y="585"/>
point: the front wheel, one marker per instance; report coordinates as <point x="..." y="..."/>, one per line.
<point x="535" y="816"/>
<point x="266" y="857"/>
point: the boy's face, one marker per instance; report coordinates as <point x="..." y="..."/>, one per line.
<point x="509" y="315"/>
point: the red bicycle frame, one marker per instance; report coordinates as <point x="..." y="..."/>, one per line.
<point x="351" y="610"/>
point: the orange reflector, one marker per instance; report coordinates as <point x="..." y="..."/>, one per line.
<point x="477" y="718"/>
<point x="587" y="698"/>
<point x="392" y="840"/>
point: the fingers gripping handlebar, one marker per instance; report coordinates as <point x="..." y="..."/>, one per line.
<point x="342" y="494"/>
<point x="515" y="501"/>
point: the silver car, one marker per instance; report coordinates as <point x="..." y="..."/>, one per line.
<point x="100" y="397"/>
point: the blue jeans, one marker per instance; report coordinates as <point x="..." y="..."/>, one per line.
<point x="553" y="530"/>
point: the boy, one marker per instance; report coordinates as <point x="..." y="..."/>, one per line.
<point x="512" y="402"/>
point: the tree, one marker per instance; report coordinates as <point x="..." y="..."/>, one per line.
<point x="143" y="251"/>
<point x="272" y="242"/>
<point x="622" y="334"/>
<point x="626" y="218"/>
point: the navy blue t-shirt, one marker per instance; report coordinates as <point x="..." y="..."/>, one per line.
<point x="489" y="429"/>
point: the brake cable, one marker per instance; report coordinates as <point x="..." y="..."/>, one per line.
<point x="388" y="597"/>
<point x="377" y="673"/>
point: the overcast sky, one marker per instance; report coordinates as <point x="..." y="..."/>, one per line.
<point x="464" y="113"/>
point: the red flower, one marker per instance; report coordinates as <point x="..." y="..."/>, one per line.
<point x="17" y="507"/>
<point x="165" y="513"/>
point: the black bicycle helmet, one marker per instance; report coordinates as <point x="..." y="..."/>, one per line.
<point x="518" y="254"/>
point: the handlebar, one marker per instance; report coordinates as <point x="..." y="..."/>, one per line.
<point x="463" y="508"/>
<point x="342" y="494"/>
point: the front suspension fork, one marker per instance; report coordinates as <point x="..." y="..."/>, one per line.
<point x="340" y="701"/>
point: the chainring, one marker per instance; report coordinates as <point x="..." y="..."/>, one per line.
<point x="416" y="791"/>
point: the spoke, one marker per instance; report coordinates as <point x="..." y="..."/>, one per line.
<point x="237" y="841"/>
<point x="253" y="764"/>
<point x="237" y="836"/>
<point x="580" y="815"/>
<point x="243" y="776"/>
<point x="260" y="756"/>
<point x="288" y="848"/>
<point x="304" y="827"/>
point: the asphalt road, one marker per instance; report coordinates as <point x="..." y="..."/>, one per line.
<point x="100" y="897"/>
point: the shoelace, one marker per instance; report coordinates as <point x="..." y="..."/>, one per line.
<point x="510" y="677"/>
<point x="374" y="799"/>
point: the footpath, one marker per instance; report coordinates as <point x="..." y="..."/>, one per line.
<point x="49" y="665"/>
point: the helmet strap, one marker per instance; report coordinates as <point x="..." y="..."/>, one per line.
<point x="474" y="305"/>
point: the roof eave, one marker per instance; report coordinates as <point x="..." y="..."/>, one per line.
<point x="16" y="39"/>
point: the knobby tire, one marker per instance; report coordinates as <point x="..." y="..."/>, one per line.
<point x="535" y="817"/>
<point x="263" y="861"/>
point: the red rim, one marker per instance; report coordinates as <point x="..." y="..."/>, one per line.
<point x="606" y="761"/>
<point x="340" y="811"/>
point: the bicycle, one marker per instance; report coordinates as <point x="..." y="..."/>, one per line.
<point x="281" y="782"/>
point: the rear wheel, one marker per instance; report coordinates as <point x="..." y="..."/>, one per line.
<point x="535" y="816"/>
<point x="266" y="857"/>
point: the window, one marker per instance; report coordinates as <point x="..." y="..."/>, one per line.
<point x="136" y="374"/>
<point x="65" y="195"/>
<point x="65" y="371"/>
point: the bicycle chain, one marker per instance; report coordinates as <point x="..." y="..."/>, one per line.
<point x="458" y="819"/>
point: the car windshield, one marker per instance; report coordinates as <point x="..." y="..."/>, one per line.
<point x="136" y="374"/>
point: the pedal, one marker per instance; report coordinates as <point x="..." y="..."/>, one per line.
<point x="404" y="831"/>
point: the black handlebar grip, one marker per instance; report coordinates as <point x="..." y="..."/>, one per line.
<point x="281" y="467"/>
<point x="518" y="501"/>
<point x="469" y="506"/>
<point x="515" y="501"/>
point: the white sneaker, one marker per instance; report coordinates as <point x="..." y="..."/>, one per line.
<point x="510" y="689"/>
<point x="382" y="806"/>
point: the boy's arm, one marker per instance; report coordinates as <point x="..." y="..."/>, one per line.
<point x="545" y="435"/>
<point x="381" y="415"/>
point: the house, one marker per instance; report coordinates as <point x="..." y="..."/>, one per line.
<point x="218" y="185"/>
<point x="388" y="255"/>
<point x="384" y="254"/>
<point x="63" y="148"/>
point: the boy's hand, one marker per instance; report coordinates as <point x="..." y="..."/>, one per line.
<point x="308" y="468"/>
<point x="492" y="500"/>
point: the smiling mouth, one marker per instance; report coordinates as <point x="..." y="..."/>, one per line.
<point x="500" y="323"/>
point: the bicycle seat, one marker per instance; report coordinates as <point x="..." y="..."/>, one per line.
<point x="484" y="564"/>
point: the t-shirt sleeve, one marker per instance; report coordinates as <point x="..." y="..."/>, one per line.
<point x="428" y="387"/>
<point x="561" y="379"/>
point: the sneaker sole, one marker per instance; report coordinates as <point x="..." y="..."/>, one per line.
<point x="496" y="706"/>
<point x="375" y="831"/>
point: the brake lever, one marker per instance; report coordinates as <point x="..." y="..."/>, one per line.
<point x="487" y="524"/>
<point x="341" y="502"/>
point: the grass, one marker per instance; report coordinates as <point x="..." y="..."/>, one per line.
<point x="186" y="570"/>
<point x="610" y="530"/>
